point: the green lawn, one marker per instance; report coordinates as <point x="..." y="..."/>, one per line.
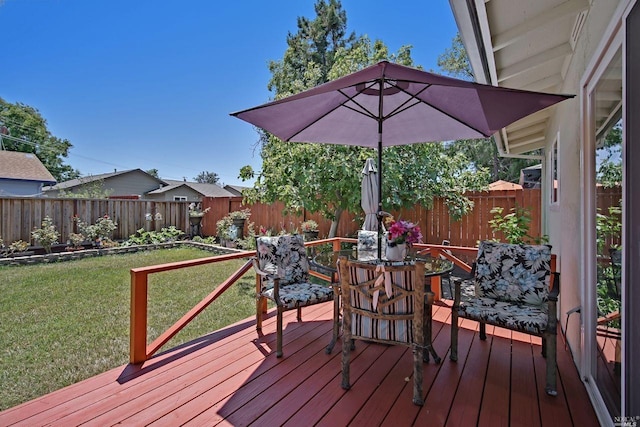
<point x="63" y="322"/>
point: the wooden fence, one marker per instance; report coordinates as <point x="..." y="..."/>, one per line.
<point x="19" y="216"/>
<point x="436" y="223"/>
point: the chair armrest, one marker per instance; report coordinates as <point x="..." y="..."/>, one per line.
<point x="457" y="289"/>
<point x="457" y="282"/>
<point x="555" y="287"/>
<point x="275" y="278"/>
<point x="259" y="271"/>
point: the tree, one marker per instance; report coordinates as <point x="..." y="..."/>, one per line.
<point x="88" y="189"/>
<point x="154" y="173"/>
<point x="455" y="61"/>
<point x="326" y="178"/>
<point x="483" y="152"/>
<point x="609" y="172"/>
<point x="207" y="177"/>
<point x="311" y="51"/>
<point x="28" y="133"/>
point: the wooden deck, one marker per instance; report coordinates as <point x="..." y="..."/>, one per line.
<point x="230" y="377"/>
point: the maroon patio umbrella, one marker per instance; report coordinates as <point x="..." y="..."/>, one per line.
<point x="389" y="104"/>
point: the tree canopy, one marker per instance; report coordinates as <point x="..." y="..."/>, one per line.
<point x="609" y="172"/>
<point x="326" y="178"/>
<point x="206" y="177"/>
<point x="28" y="133"/>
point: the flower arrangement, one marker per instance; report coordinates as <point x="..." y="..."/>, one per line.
<point x="402" y="232"/>
<point x="195" y="210"/>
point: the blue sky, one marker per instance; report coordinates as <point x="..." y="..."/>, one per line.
<point x="150" y="84"/>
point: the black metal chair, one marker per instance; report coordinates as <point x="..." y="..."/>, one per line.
<point x="283" y="267"/>
<point x="516" y="290"/>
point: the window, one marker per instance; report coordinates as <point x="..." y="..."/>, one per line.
<point x="179" y="199"/>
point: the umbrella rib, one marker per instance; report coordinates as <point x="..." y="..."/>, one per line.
<point x="365" y="112"/>
<point x="404" y="107"/>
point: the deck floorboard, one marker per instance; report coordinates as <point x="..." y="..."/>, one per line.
<point x="232" y="377"/>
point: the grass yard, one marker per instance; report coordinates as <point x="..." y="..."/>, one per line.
<point x="63" y="322"/>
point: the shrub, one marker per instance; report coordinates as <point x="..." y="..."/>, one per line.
<point x="75" y="239"/>
<point x="100" y="231"/>
<point x="47" y="234"/>
<point x="514" y="226"/>
<point x="18" y="246"/>
<point x="309" y="225"/>
<point x="142" y="237"/>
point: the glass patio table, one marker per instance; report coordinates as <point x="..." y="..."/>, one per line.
<point x="326" y="263"/>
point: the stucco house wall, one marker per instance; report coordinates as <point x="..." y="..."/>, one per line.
<point x="126" y="183"/>
<point x="21" y="188"/>
<point x="564" y="222"/>
<point x="22" y="174"/>
<point x="181" y="191"/>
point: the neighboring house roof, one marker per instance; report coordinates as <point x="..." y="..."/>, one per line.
<point x="206" y="190"/>
<point x="23" y="166"/>
<point x="504" y="185"/>
<point x="236" y="189"/>
<point x="90" y="178"/>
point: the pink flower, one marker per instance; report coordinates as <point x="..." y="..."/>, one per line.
<point x="404" y="232"/>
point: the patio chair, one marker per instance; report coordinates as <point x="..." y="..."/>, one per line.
<point x="383" y="304"/>
<point x="283" y="268"/>
<point x="514" y="289"/>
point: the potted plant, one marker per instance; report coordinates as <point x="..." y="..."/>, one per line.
<point x="400" y="236"/>
<point x="196" y="213"/>
<point x="310" y="229"/>
<point x="239" y="218"/>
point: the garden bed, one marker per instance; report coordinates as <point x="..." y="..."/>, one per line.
<point x="66" y="255"/>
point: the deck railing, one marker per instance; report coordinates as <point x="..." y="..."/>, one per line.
<point x="140" y="351"/>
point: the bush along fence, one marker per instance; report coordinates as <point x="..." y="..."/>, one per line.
<point x="20" y="216"/>
<point x="436" y="223"/>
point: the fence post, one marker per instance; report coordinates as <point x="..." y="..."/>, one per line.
<point x="138" y="343"/>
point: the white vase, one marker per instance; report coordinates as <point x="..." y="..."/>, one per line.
<point x="397" y="252"/>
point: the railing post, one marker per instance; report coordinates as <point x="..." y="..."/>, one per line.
<point x="138" y="343"/>
<point x="436" y="281"/>
<point x="337" y="244"/>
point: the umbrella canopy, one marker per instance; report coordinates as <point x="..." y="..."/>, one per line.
<point x="369" y="199"/>
<point x="408" y="106"/>
<point x="389" y="104"/>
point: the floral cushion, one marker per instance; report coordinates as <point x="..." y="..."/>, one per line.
<point x="513" y="273"/>
<point x="302" y="294"/>
<point x="522" y="317"/>
<point x="286" y="257"/>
